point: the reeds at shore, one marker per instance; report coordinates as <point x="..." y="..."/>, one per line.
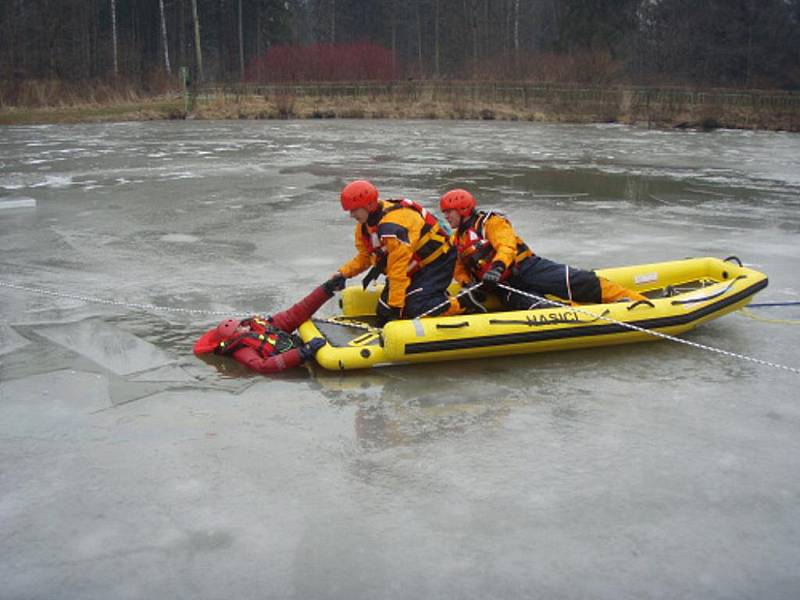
<point x="509" y="101"/>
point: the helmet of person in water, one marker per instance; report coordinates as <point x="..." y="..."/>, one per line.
<point x="359" y="194"/>
<point x="459" y="200"/>
<point x="227" y="328"/>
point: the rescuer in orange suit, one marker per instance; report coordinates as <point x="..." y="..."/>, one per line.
<point x="489" y="250"/>
<point x="402" y="240"/>
<point x="266" y="344"/>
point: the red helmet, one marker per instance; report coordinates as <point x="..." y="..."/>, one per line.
<point x="227" y="328"/>
<point x="359" y="194"/>
<point x="459" y="200"/>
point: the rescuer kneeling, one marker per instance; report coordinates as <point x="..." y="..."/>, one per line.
<point x="489" y="250"/>
<point x="402" y="240"/>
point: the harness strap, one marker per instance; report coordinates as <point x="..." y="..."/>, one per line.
<point x="432" y="243"/>
<point x="269" y="336"/>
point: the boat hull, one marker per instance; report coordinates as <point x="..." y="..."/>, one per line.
<point x="693" y="291"/>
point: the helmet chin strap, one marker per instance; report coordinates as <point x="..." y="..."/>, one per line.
<point x="462" y="221"/>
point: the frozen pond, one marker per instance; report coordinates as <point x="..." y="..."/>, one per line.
<point x="131" y="469"/>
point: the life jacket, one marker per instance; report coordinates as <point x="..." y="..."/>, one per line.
<point x="433" y="241"/>
<point x="263" y="337"/>
<point x="477" y="252"/>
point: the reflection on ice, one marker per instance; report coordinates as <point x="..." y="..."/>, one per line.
<point x="112" y="348"/>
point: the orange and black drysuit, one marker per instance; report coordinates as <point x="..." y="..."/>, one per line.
<point x="405" y="242"/>
<point x="485" y="239"/>
<point x="269" y="346"/>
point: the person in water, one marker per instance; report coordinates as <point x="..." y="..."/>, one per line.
<point x="267" y="344"/>
<point x="406" y="243"/>
<point x="489" y="250"/>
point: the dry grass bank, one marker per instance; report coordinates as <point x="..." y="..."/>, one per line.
<point x="651" y="108"/>
<point x="420" y="100"/>
<point x="153" y="109"/>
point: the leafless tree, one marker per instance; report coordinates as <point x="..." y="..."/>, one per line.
<point x="114" y="36"/>
<point x="241" y="43"/>
<point x="197" y="48"/>
<point x="164" y="37"/>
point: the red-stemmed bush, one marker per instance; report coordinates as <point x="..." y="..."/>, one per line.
<point x="322" y="62"/>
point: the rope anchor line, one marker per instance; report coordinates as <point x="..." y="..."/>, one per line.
<point x="106" y="301"/>
<point x="657" y="334"/>
<point x="539" y="299"/>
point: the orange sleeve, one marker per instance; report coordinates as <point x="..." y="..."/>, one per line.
<point x="501" y="236"/>
<point x="398" y="257"/>
<point x="361" y="261"/>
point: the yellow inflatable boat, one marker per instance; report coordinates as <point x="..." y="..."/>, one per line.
<point x="682" y="294"/>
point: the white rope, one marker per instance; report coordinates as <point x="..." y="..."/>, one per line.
<point x="153" y="307"/>
<point x="346" y="323"/>
<point x="134" y="305"/>
<point x="197" y="311"/>
<point x="447" y="302"/>
<point x="654" y="333"/>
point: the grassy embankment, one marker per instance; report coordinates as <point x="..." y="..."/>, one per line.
<point x="652" y="107"/>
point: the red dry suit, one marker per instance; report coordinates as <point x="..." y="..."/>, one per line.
<point x="269" y="346"/>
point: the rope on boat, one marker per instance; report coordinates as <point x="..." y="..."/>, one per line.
<point x="658" y="334"/>
<point x="449" y="298"/>
<point x="346" y="323"/>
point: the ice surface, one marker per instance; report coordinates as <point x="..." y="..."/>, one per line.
<point x="51" y="405"/>
<point x="116" y="350"/>
<point x="10" y="340"/>
<point x="132" y="469"/>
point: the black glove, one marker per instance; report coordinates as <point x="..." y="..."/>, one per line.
<point x="334" y="284"/>
<point x="309" y="349"/>
<point x="492" y="277"/>
<point x="388" y="313"/>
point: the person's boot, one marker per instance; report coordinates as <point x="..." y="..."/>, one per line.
<point x="471" y="302"/>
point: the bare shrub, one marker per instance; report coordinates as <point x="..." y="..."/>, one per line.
<point x="594" y="68"/>
<point x="459" y="107"/>
<point x="284" y="102"/>
<point x="352" y="113"/>
<point x="322" y="62"/>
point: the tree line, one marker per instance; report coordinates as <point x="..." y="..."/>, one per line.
<point x="742" y="43"/>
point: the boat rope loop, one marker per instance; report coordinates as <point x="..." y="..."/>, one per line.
<point x="133" y="305"/>
<point x="658" y="334"/>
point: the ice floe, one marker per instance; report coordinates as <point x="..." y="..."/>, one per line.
<point x="114" y="349"/>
